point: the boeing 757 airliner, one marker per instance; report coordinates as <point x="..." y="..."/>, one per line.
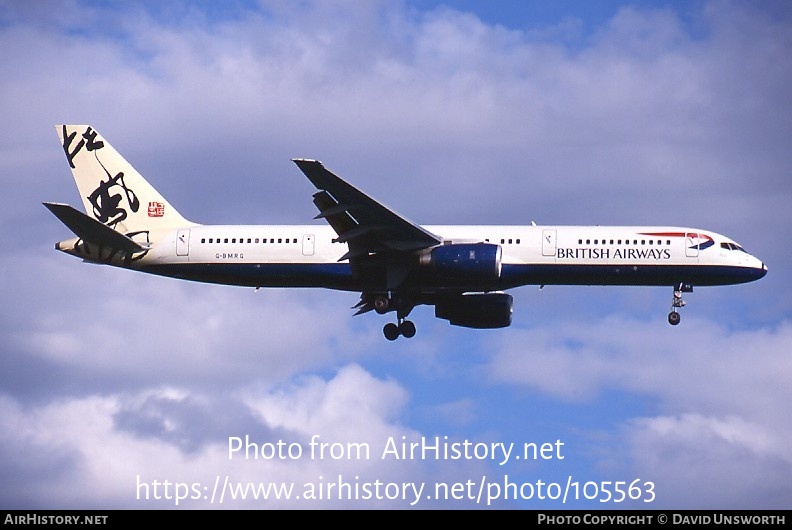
<point x="365" y="247"/>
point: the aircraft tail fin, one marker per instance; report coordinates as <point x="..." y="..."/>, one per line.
<point x="112" y="191"/>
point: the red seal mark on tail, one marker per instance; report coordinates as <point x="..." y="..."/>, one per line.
<point x="156" y="209"/>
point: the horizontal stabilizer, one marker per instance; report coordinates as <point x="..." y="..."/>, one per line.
<point x="91" y="230"/>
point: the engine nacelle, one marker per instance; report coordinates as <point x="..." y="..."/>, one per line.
<point x="481" y="261"/>
<point x="476" y="310"/>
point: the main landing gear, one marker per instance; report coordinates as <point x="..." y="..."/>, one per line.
<point x="403" y="327"/>
<point x="676" y="302"/>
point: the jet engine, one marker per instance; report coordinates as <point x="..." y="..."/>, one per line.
<point x="476" y="310"/>
<point x="480" y="261"/>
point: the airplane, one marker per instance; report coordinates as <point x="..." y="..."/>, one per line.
<point x="365" y="247"/>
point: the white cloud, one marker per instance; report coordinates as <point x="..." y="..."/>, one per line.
<point x="158" y="330"/>
<point x="691" y="365"/>
<point x="104" y="448"/>
<point x="721" y="438"/>
<point x="700" y="462"/>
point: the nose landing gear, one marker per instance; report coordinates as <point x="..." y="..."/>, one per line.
<point x="676" y="302"/>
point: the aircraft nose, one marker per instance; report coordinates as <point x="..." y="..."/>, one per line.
<point x="760" y="271"/>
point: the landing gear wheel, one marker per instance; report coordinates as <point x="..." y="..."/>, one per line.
<point x="674" y="318"/>
<point x="382" y="304"/>
<point x="391" y="331"/>
<point x="407" y="329"/>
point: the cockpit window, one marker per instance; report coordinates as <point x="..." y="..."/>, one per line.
<point x="732" y="246"/>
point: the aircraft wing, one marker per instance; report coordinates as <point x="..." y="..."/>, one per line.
<point x="365" y="224"/>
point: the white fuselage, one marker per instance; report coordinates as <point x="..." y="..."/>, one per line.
<point x="308" y="256"/>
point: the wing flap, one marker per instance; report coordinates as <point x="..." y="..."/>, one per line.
<point x="337" y="215"/>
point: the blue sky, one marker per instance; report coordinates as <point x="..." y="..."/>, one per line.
<point x="584" y="113"/>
